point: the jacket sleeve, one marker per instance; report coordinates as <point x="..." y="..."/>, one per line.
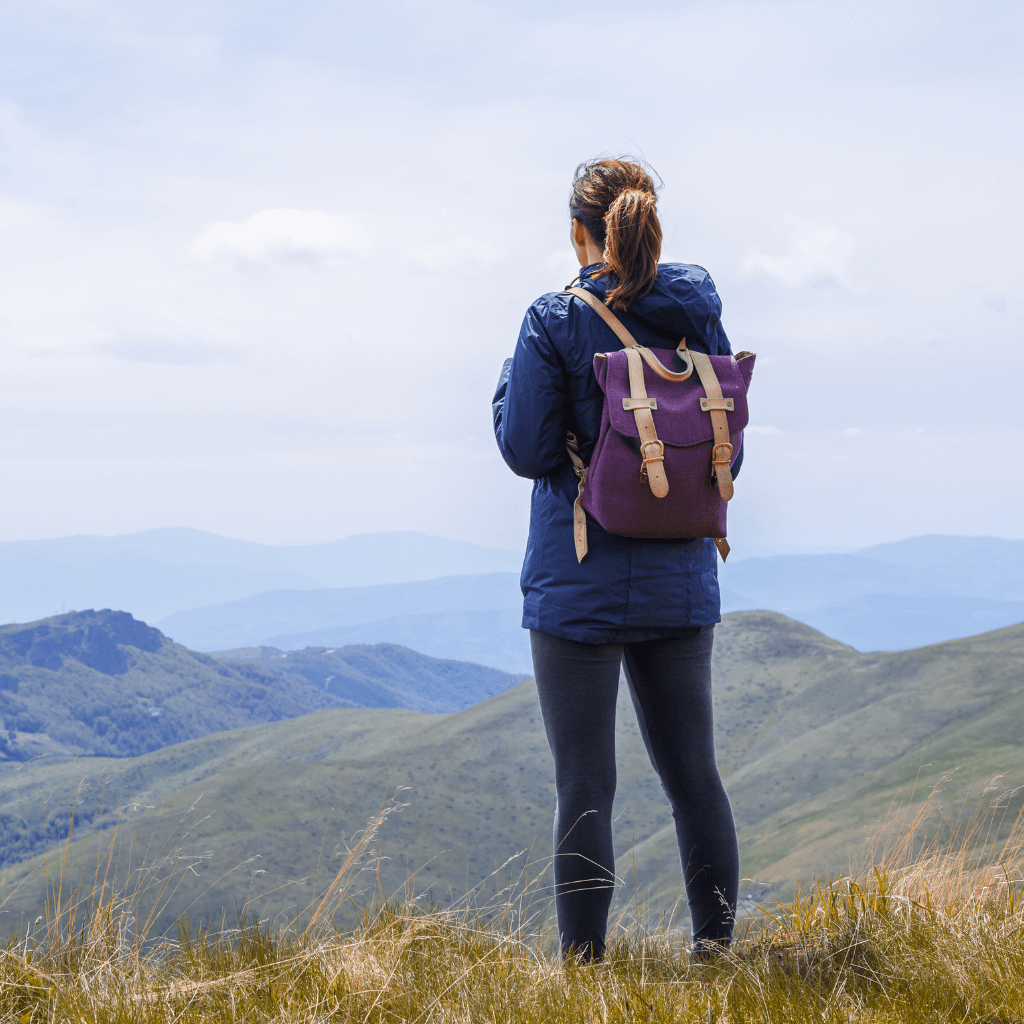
<point x="529" y="404"/>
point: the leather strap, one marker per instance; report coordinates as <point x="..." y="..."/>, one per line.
<point x="721" y="453"/>
<point x="628" y="341"/>
<point x="652" y="451"/>
<point x="606" y="315"/>
<point x="579" y="517"/>
<point x="663" y="371"/>
<point x="723" y="547"/>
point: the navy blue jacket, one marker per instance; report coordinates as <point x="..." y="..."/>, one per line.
<point x="624" y="590"/>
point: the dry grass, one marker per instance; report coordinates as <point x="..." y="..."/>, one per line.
<point x="935" y="932"/>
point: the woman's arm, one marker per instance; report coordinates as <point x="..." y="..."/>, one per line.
<point x="529" y="404"/>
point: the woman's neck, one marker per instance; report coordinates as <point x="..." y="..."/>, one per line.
<point x="592" y="254"/>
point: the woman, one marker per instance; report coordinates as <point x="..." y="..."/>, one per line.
<point x="650" y="605"/>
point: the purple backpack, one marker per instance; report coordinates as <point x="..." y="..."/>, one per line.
<point x="662" y="466"/>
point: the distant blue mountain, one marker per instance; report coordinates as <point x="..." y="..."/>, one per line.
<point x="891" y="596"/>
<point x="158" y="572"/>
<point x="353" y="614"/>
<point x="492" y="636"/>
<point x="454" y="600"/>
<point x="983" y="567"/>
<point x="889" y="622"/>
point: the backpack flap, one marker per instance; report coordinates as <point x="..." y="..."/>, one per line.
<point x="678" y="416"/>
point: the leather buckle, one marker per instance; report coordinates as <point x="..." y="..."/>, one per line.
<point x="715" y="460"/>
<point x="660" y="457"/>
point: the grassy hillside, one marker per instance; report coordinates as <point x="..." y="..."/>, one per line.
<point x="382" y="675"/>
<point x="931" y="933"/>
<point x="814" y="740"/>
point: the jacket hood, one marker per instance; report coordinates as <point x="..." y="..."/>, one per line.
<point x="683" y="303"/>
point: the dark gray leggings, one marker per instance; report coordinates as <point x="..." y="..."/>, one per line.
<point x="670" y="683"/>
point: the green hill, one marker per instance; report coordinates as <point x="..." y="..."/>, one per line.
<point x="103" y="683"/>
<point x="814" y="740"/>
<point x="382" y="675"/>
<point x="825" y="744"/>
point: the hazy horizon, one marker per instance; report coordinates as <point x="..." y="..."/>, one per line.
<point x="761" y="551"/>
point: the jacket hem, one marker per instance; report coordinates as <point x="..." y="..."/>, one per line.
<point x="615" y="634"/>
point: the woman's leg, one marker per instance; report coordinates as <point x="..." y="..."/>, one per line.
<point x="577" y="685"/>
<point x="670" y="683"/>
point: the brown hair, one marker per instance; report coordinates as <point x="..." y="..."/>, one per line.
<point x="615" y="201"/>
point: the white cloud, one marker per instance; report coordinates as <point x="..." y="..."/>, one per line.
<point x="762" y="430"/>
<point x="852" y="432"/>
<point x="279" y="234"/>
<point x="816" y="256"/>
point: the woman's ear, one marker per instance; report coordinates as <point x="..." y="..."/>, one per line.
<point x="579" y="236"/>
<point x="587" y="250"/>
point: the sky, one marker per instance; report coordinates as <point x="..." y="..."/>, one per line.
<point x="261" y="262"/>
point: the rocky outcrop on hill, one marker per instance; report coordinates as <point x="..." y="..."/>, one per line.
<point x="101" y="682"/>
<point x="93" y="638"/>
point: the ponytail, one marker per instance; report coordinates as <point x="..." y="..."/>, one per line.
<point x="632" y="246"/>
<point x="616" y="201"/>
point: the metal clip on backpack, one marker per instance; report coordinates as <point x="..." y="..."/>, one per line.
<point x="685" y="473"/>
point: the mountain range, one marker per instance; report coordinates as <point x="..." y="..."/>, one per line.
<point x="158" y="572"/>
<point x="460" y="601"/>
<point x="476" y="618"/>
<point x="817" y="742"/>
<point x="890" y="597"/>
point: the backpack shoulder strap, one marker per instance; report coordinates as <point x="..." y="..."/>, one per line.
<point x="606" y="315"/>
<point x="629" y="341"/>
<point x="716" y="405"/>
<point x="652" y="451"/>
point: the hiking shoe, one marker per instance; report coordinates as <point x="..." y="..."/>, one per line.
<point x="706" y="951"/>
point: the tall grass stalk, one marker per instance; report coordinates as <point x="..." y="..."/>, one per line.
<point x="931" y="931"/>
